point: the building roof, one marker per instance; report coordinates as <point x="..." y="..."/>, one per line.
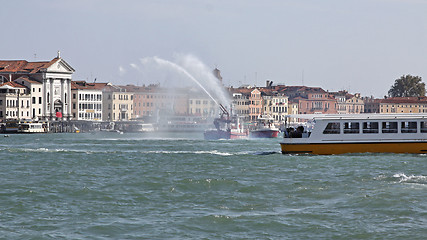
<point x="80" y="85"/>
<point x="283" y="88"/>
<point x="25" y="67"/>
<point x="242" y="90"/>
<point x="27" y="79"/>
<point x="398" y="100"/>
<point x="11" y="85"/>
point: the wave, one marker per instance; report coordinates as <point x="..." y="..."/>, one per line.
<point x="137" y="151"/>
<point x="213" y="152"/>
<point x="56" y="150"/>
<point x="46" y="150"/>
<point x="403" y="178"/>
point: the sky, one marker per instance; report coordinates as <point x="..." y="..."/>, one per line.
<point x="361" y="46"/>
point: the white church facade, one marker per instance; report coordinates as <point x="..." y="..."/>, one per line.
<point x="49" y="84"/>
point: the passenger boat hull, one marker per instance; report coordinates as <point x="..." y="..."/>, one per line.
<point x="264" y="134"/>
<point x="341" y="148"/>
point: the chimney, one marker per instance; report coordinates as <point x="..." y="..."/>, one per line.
<point x="217" y="74"/>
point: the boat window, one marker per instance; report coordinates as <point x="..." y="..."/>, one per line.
<point x="389" y="127"/>
<point x="424" y="127"/>
<point x="351" y="127"/>
<point x="332" y="128"/>
<point x="370" y="127"/>
<point x="409" y="127"/>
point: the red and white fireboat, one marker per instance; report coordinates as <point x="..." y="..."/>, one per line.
<point x="226" y="127"/>
<point x="264" y="128"/>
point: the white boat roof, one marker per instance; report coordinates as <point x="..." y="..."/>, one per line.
<point x="361" y="116"/>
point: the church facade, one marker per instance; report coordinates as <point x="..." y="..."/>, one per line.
<point x="49" y="83"/>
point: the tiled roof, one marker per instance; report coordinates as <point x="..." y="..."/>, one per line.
<point x="12" y="66"/>
<point x="12" y="84"/>
<point x="27" y="79"/>
<point x="89" y="86"/>
<point x="22" y="66"/>
<point x="283" y="88"/>
<point x="397" y="100"/>
<point x="245" y="91"/>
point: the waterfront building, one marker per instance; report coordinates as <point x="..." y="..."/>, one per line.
<point x="55" y="77"/>
<point x="201" y="105"/>
<point x="240" y="102"/>
<point x="35" y="89"/>
<point x="86" y="100"/>
<point x="292" y="110"/>
<point x="275" y="105"/>
<point x="348" y="103"/>
<point x="267" y="100"/>
<point x="145" y="102"/>
<point x="403" y="105"/>
<point x="372" y="105"/>
<point x="279" y="107"/>
<point x="117" y="104"/>
<point x="316" y="102"/>
<point x="354" y="104"/>
<point x="14" y="102"/>
<point x="255" y="105"/>
<point x="311" y="100"/>
<point x="150" y="102"/>
<point x="341" y="101"/>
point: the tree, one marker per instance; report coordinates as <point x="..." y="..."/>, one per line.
<point x="408" y="86"/>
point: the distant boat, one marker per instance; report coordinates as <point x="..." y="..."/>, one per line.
<point x="264" y="128"/>
<point x="31" y="127"/>
<point x="15" y="126"/>
<point x="130" y="126"/>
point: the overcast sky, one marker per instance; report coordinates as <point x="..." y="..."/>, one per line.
<point x="355" y="45"/>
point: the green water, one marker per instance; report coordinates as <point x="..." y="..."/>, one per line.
<point x="136" y="186"/>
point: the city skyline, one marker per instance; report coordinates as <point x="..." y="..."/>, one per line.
<point x="359" y="46"/>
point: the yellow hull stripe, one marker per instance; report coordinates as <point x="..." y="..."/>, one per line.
<point x="341" y="148"/>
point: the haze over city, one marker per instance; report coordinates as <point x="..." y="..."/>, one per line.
<point x="359" y="46"/>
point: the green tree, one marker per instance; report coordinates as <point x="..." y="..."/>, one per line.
<point x="408" y="86"/>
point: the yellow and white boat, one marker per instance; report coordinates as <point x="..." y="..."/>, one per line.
<point x="374" y="133"/>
